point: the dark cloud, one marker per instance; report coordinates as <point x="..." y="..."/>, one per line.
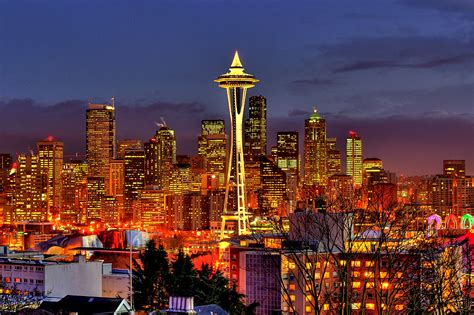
<point x="409" y="145"/>
<point x="314" y="81"/>
<point x="458" y="6"/>
<point x="24" y="121"/>
<point x="410" y="52"/>
<point x="430" y="64"/>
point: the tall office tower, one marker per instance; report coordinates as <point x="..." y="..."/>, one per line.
<point x="127" y="144"/>
<point x="333" y="158"/>
<point x="287" y="152"/>
<point x="273" y="194"/>
<point x="315" y="160"/>
<point x="454" y="167"/>
<point x="287" y="158"/>
<point x="256" y="129"/>
<point x="153" y="209"/>
<point x="372" y="175"/>
<point x="236" y="82"/>
<point x="354" y="157"/>
<point x="134" y="170"/>
<point x="116" y="185"/>
<point x="212" y="146"/>
<point x="340" y="193"/>
<point x="51" y="153"/>
<point x="29" y="190"/>
<point x="95" y="194"/>
<point x="109" y="213"/>
<point x="74" y="193"/>
<point x="100" y="138"/>
<point x="160" y="155"/>
<point x="181" y="179"/>
<point x="188" y="211"/>
<point x="5" y="166"/>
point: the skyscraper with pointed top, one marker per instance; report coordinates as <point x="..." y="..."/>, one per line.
<point x="236" y="82"/>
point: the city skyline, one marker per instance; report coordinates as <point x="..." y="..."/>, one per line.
<point x="404" y="71"/>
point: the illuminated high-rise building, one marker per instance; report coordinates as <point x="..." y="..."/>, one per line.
<point x="273" y="193"/>
<point x="256" y="129"/>
<point x="116" y="185"/>
<point x="153" y="208"/>
<point x="287" y="158"/>
<point x="29" y="190"/>
<point x="134" y="170"/>
<point x="315" y="160"/>
<point x="5" y="166"/>
<point x="354" y="157"/>
<point x="127" y="144"/>
<point x="181" y="179"/>
<point x="95" y="193"/>
<point x="160" y="155"/>
<point x="333" y="156"/>
<point x="287" y="152"/>
<point x="454" y="167"/>
<point x="100" y="138"/>
<point x="212" y="146"/>
<point x="236" y="82"/>
<point x="74" y="192"/>
<point x="51" y="153"/>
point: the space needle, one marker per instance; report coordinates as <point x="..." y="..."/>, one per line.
<point x="236" y="82"/>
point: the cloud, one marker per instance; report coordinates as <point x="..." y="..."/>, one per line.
<point x="314" y="81"/>
<point x="457" y="6"/>
<point x="25" y="121"/>
<point x="409" y="52"/>
<point x="429" y="64"/>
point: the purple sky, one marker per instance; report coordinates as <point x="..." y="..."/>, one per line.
<point x="398" y="72"/>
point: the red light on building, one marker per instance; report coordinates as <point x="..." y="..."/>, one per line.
<point x="352" y="133"/>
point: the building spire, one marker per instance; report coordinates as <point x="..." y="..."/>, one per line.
<point x="236" y="62"/>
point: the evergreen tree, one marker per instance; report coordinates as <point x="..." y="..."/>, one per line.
<point x="183" y="276"/>
<point x="150" y="278"/>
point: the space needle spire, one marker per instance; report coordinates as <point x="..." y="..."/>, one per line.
<point x="236" y="82"/>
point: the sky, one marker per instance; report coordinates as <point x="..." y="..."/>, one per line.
<point x="399" y="72"/>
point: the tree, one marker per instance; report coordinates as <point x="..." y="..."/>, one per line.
<point x="183" y="276"/>
<point x="150" y="278"/>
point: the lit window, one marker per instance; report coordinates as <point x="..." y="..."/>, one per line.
<point x="368" y="274"/>
<point x="370" y="306"/>
<point x="370" y="284"/>
<point x="369" y="263"/>
<point x="399" y="307"/>
<point x="291" y="265"/>
<point x="399" y="274"/>
<point x="308" y="298"/>
<point x="356" y="274"/>
<point x="292" y="287"/>
<point x="356" y="284"/>
<point x="355" y="306"/>
<point x="385" y="285"/>
<point x="8" y="279"/>
<point x="326" y="307"/>
<point x="317" y="275"/>
<point x="292" y="297"/>
<point x="326" y="275"/>
<point x="308" y="309"/>
<point x="355" y="263"/>
<point x="383" y="274"/>
<point x="307" y="287"/>
<point x="308" y="265"/>
<point x="318" y="265"/>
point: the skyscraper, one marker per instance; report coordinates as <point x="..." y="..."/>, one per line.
<point x="256" y="129"/>
<point x="50" y="153"/>
<point x="273" y="194"/>
<point x="236" y="82"/>
<point x="315" y="162"/>
<point x="29" y="190"/>
<point x="287" y="152"/>
<point x="100" y="138"/>
<point x="212" y="146"/>
<point x="127" y="144"/>
<point x="160" y="155"/>
<point x="354" y="157"/>
<point x="5" y="165"/>
<point x="333" y="158"/>
<point x="134" y="169"/>
<point x="74" y="192"/>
